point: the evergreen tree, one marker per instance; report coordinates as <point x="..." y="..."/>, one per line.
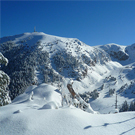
<point x="132" y="106"/>
<point x="124" y="107"/>
<point x="4" y="82"/>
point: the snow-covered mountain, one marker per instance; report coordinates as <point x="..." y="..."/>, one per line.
<point x="40" y="65"/>
<point x="36" y="58"/>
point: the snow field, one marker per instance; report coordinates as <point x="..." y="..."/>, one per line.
<point x="31" y="117"/>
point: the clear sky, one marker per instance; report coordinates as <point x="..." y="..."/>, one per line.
<point x="93" y="22"/>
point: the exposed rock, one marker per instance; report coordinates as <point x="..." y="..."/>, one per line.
<point x="120" y="55"/>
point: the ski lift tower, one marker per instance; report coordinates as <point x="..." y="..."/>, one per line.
<point x="116" y="101"/>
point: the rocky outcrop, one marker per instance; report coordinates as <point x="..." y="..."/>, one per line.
<point x="120" y="55"/>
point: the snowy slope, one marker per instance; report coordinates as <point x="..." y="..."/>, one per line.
<point x="26" y="116"/>
<point x="44" y="58"/>
<point x="115" y="51"/>
<point x="122" y="54"/>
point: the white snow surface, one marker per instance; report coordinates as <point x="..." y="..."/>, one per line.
<point x="44" y="116"/>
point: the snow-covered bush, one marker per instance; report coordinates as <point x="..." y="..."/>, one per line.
<point x="94" y="94"/>
<point x="4" y="82"/>
<point x="66" y="100"/>
<point x="110" y="78"/>
<point x="87" y="60"/>
<point x="111" y="91"/>
<point x="123" y="88"/>
<point x="85" y="96"/>
<point x="31" y="96"/>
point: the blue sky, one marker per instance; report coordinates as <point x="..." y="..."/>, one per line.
<point x="93" y="22"/>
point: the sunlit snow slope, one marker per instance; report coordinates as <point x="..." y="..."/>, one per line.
<point x="38" y="112"/>
<point x="36" y="58"/>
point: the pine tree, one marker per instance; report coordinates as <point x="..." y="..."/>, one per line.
<point x="132" y="106"/>
<point x="4" y="82"/>
<point x="124" y="107"/>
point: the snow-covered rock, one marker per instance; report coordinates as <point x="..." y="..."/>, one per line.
<point x="116" y="51"/>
